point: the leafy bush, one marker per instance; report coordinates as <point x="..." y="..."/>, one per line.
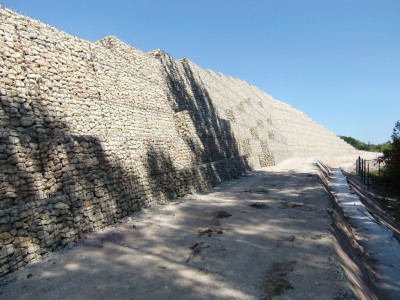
<point x="391" y="156"/>
<point x="367" y="147"/>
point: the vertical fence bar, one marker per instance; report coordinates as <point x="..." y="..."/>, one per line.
<point x="357" y="166"/>
<point x="379" y="166"/>
<point x="368" y="178"/>
<point x="364" y="169"/>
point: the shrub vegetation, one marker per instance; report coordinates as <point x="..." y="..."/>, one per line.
<point x="364" y="146"/>
<point x="391" y="157"/>
<point x="386" y="182"/>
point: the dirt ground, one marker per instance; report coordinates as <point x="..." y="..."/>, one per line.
<point x="263" y="236"/>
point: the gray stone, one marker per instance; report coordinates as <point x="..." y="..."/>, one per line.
<point x="27" y="121"/>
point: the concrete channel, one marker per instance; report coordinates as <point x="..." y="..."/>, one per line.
<point x="380" y="247"/>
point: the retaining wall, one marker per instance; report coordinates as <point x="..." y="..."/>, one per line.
<point x="91" y="132"/>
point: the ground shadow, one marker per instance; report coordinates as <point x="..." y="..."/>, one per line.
<point x="139" y="259"/>
<point x="57" y="186"/>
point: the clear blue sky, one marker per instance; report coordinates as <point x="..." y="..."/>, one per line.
<point x="336" y="60"/>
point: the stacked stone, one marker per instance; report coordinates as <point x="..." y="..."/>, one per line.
<point x="204" y="131"/>
<point x="89" y="135"/>
<point x="250" y="117"/>
<point x="304" y="136"/>
<point x="268" y="130"/>
<point x="91" y="132"/>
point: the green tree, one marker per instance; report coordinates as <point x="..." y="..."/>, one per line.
<point x="363" y="146"/>
<point x="392" y="158"/>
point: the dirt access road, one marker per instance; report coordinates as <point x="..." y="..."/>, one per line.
<point x="261" y="236"/>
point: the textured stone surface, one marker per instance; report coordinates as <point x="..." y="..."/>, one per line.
<point x="91" y="132"/>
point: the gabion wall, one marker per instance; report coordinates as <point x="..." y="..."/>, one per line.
<point x="91" y="132"/>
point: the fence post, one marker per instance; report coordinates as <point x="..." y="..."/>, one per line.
<point x="379" y="166"/>
<point x="368" y="178"/>
<point x="362" y="169"/>
<point x="365" y="170"/>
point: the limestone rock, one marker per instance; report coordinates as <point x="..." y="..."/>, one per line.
<point x="27" y="121"/>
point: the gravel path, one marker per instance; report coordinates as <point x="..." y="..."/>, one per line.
<point x="264" y="235"/>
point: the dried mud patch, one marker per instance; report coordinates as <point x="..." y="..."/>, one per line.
<point x="319" y="236"/>
<point x="220" y="215"/>
<point x="259" y="205"/>
<point x="256" y="191"/>
<point x="197" y="249"/>
<point x="299" y="205"/>
<point x="275" y="283"/>
<point x="210" y="230"/>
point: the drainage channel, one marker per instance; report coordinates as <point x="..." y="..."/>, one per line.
<point x="377" y="240"/>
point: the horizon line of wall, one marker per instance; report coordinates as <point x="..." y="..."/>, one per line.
<point x="92" y="132"/>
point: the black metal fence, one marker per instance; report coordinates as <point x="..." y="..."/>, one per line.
<point x="364" y="167"/>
